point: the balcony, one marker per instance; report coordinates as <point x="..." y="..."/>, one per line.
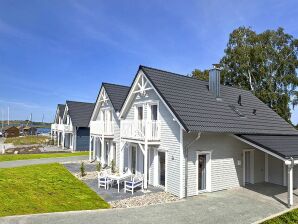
<point x="141" y="130"/>
<point x="54" y="126"/>
<point x="102" y="128"/>
<point x="65" y="127"/>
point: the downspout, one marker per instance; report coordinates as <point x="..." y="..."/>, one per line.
<point x="186" y="161"/>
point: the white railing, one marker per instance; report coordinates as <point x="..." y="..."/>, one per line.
<point x="149" y="130"/>
<point x="102" y="127"/>
<point x="65" y="127"/>
<point x="54" y="126"/>
<point x="60" y="127"/>
<point x="68" y="128"/>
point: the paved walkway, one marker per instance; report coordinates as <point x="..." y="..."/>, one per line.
<point x="232" y="206"/>
<point x="17" y="163"/>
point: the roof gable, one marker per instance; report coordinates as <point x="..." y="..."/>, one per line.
<point x="198" y="110"/>
<point x="79" y="112"/>
<point x="116" y="94"/>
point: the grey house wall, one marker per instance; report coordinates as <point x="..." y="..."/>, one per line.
<point x="82" y="139"/>
<point x="259" y="166"/>
<point x="275" y="170"/>
<point x="169" y="141"/>
<point x="226" y="151"/>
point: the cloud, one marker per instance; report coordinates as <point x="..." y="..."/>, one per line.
<point x="20" y="104"/>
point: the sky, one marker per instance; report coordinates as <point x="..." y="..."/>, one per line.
<point x="57" y="50"/>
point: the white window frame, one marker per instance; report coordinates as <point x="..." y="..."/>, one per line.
<point x="208" y="171"/>
<point x="252" y="165"/>
<point x="130" y="155"/>
<point x="151" y="103"/>
<point x="156" y="168"/>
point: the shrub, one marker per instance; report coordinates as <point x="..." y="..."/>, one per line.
<point x="82" y="169"/>
<point x="113" y="166"/>
<point x="98" y="167"/>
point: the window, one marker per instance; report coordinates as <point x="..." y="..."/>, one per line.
<point x="140" y="112"/>
<point x="154" y="112"/>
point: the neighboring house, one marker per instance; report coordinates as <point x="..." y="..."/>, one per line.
<point x="74" y="131"/>
<point x="58" y="121"/>
<point x="105" y="124"/>
<point x="191" y="136"/>
<point x="10" y="131"/>
<point x="28" y="130"/>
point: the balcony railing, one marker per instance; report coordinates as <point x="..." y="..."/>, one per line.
<point x="102" y="127"/>
<point x="65" y="127"/>
<point x="54" y="126"/>
<point x="142" y="130"/>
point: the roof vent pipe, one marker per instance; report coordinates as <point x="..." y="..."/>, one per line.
<point x="214" y="80"/>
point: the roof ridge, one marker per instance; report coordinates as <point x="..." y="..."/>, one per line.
<point x="114" y="84"/>
<point x="186" y="76"/>
<point x="72" y="101"/>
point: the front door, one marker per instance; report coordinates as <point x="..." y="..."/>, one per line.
<point x="161" y="168"/>
<point x="202" y="172"/>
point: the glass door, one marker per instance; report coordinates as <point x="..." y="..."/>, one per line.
<point x="162" y="168"/>
<point x="133" y="159"/>
<point x="202" y="172"/>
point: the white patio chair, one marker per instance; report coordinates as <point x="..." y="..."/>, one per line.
<point x="104" y="180"/>
<point x="136" y="181"/>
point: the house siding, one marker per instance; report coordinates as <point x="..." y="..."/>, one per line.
<point x="116" y="138"/>
<point x="82" y="138"/>
<point x="169" y="141"/>
<point x="225" y="153"/>
<point x="275" y="170"/>
<point x="259" y="166"/>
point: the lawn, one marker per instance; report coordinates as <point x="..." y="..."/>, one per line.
<point x="11" y="157"/>
<point x="44" y="188"/>
<point x="27" y="140"/>
<point x="287" y="218"/>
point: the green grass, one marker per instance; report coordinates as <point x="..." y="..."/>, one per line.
<point x="44" y="188"/>
<point x="27" y="140"/>
<point x="287" y="218"/>
<point x="12" y="157"/>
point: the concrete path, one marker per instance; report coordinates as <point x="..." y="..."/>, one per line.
<point x="232" y="206"/>
<point x="17" y="163"/>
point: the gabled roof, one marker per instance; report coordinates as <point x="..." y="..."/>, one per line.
<point x="61" y="108"/>
<point x="198" y="110"/>
<point x="80" y="113"/>
<point x="117" y="94"/>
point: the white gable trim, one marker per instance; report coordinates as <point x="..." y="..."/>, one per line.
<point x="99" y="101"/>
<point x="132" y="92"/>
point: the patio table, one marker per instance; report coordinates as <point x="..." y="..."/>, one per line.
<point x="119" y="179"/>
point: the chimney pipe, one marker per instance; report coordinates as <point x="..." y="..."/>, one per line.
<point x="214" y="80"/>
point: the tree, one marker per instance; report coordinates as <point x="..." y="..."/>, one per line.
<point x="199" y="74"/>
<point x="266" y="64"/>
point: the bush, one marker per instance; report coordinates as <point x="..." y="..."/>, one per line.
<point x="113" y="166"/>
<point x="98" y="167"/>
<point x="82" y="169"/>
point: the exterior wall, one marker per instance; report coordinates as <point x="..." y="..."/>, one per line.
<point x="226" y="151"/>
<point x="82" y="139"/>
<point x="116" y="125"/>
<point x="259" y="166"/>
<point x="169" y="140"/>
<point x="275" y="170"/>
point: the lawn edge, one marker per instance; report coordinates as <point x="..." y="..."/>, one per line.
<point x="276" y="215"/>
